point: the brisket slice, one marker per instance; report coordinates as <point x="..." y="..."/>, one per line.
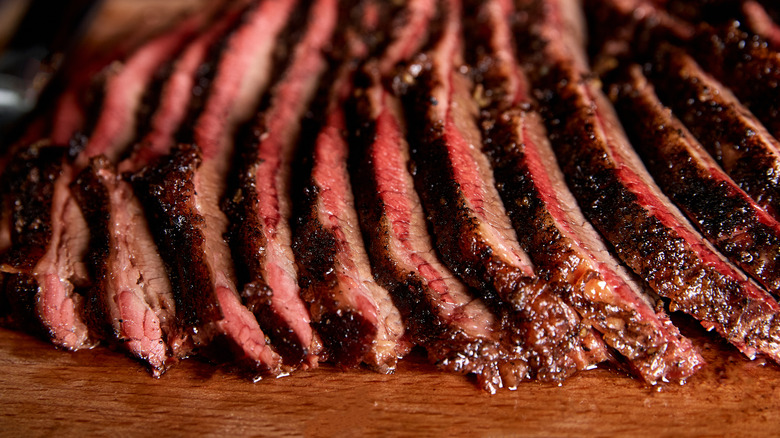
<point x="175" y="95"/>
<point x="565" y="248"/>
<point x="458" y="331"/>
<point x="48" y="241"/>
<point x="726" y="215"/>
<point x="730" y="133"/>
<point x="647" y="232"/>
<point x="354" y="315"/>
<point x="472" y="232"/>
<point x="183" y="192"/>
<point x="745" y="64"/>
<point x="131" y="300"/>
<point x="124" y="87"/>
<point x="261" y="208"/>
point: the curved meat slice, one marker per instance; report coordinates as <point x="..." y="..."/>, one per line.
<point x="182" y="195"/>
<point x="730" y="219"/>
<point x="620" y="198"/>
<point x="457" y="330"/>
<point x="551" y="227"/>
<point x="745" y="64"/>
<point x="731" y="134"/>
<point x="472" y="232"/>
<point x="261" y="209"/>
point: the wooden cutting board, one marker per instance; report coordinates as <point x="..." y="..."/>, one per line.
<point x="100" y="392"/>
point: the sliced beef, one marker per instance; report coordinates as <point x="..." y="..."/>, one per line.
<point x="354" y="315"/>
<point x="745" y="64"/>
<point x="457" y="330"/>
<point x="130" y="298"/>
<point x="174" y="101"/>
<point x="472" y="232"/>
<point x="409" y="36"/>
<point x="261" y="208"/>
<point x="726" y="215"/>
<point x="124" y="87"/>
<point x="730" y="133"/>
<point x="48" y="242"/>
<point x="182" y="195"/>
<point x="619" y="197"/>
<point x="550" y="226"/>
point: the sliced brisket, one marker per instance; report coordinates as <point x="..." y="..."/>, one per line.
<point x="354" y="315"/>
<point x="124" y="87"/>
<point x="626" y="29"/>
<point x="730" y="219"/>
<point x="619" y="197"/>
<point x="730" y="133"/>
<point x="182" y="195"/>
<point x="550" y="226"/>
<point x="261" y="208"/>
<point x="48" y="242"/>
<point x="745" y="64"/>
<point x="458" y="331"/>
<point x="472" y="232"/>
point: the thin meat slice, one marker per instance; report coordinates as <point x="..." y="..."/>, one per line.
<point x="472" y="232"/>
<point x="551" y="227"/>
<point x="731" y="134"/>
<point x="182" y="195"/>
<point x="176" y="94"/>
<point x="745" y="64"/>
<point x="408" y="37"/>
<point x="619" y="197"/>
<point x="730" y="219"/>
<point x="131" y="298"/>
<point x="261" y="209"/>
<point x="457" y="330"/>
<point x="124" y="87"/>
<point x="61" y="268"/>
<point x="354" y="315"/>
<point x="48" y="242"/>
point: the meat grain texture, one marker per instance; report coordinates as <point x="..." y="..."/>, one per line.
<point x="273" y="184"/>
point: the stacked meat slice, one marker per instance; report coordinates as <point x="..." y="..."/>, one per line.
<point x="274" y="184"/>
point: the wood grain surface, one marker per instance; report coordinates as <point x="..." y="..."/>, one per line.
<point x="45" y="392"/>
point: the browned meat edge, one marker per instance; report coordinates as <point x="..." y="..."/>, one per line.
<point x="261" y="207"/>
<point x="646" y="231"/>
<point x="31" y="175"/>
<point x="182" y="196"/>
<point x="627" y="29"/>
<point x="729" y="132"/>
<point x="354" y="315"/>
<point x="736" y="225"/>
<point x="745" y="64"/>
<point x="566" y="250"/>
<point x="472" y="232"/>
<point x="457" y="330"/>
